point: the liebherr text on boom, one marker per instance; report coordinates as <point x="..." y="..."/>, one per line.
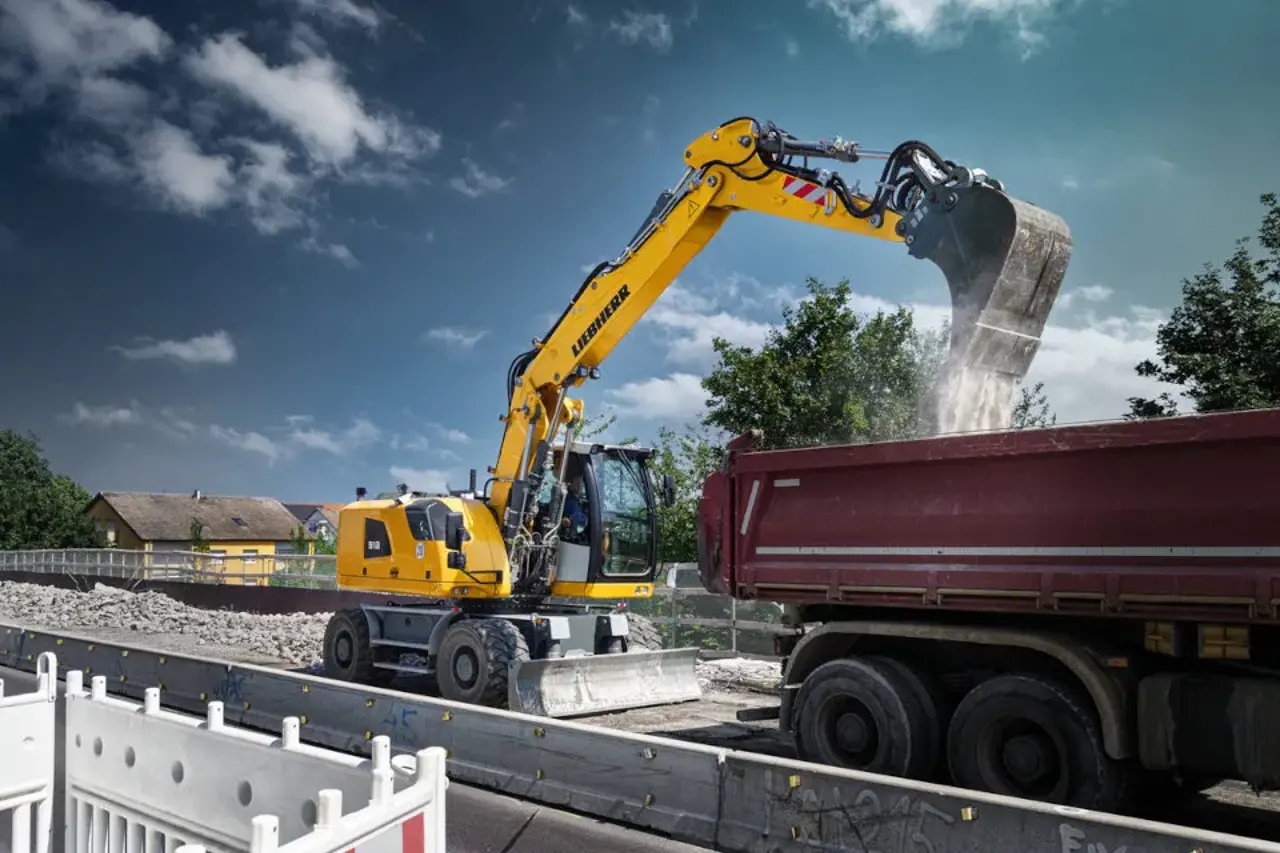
<point x="501" y="564"/>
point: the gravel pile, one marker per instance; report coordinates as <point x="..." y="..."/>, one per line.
<point x="293" y="638"/>
<point x="155" y="619"/>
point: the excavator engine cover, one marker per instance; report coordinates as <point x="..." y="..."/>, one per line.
<point x="1004" y="261"/>
<point x="576" y="685"/>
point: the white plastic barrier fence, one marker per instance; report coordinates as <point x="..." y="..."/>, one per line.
<point x="139" y="778"/>
<point x="28" y="732"/>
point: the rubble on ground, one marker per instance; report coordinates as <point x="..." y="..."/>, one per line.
<point x="294" y="639"/>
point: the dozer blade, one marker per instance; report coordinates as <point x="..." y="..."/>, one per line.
<point x="1004" y="261"/>
<point x="594" y="684"/>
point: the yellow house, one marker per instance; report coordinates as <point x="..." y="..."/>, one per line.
<point x="238" y="530"/>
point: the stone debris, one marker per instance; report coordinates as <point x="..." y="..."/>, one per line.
<point x="154" y="619"/>
<point x="293" y="638"/>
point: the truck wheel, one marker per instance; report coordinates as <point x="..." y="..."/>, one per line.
<point x="1032" y="737"/>
<point x="931" y="703"/>
<point x="348" y="654"/>
<point x="473" y="660"/>
<point x="643" y="634"/>
<point x="860" y="714"/>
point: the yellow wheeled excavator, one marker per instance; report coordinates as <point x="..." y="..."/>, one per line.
<point x="494" y="581"/>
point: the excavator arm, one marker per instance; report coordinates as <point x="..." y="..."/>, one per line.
<point x="1003" y="260"/>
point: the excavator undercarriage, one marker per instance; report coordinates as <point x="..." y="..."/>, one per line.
<point x="503" y="574"/>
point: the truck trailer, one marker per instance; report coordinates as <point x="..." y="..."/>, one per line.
<point x="1078" y="615"/>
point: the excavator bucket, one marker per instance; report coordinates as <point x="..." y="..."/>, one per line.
<point x="1004" y="261"/>
<point x="595" y="684"/>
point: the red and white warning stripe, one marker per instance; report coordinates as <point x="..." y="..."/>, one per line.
<point x="411" y="838"/>
<point x="804" y="190"/>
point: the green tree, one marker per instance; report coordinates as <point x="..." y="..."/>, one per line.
<point x="38" y="508"/>
<point x="199" y="542"/>
<point x="1032" y="409"/>
<point x="827" y="376"/>
<point x="688" y="456"/>
<point x="1222" y="342"/>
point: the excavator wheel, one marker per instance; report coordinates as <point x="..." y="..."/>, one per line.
<point x="644" y="635"/>
<point x="474" y="658"/>
<point x="348" y="653"/>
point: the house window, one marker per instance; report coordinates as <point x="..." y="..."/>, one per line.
<point x="111" y="533"/>
<point x="239" y="522"/>
<point x="250" y="556"/>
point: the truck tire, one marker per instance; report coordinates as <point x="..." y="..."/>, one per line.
<point x="859" y="713"/>
<point x="932" y="708"/>
<point x="348" y="653"/>
<point x="1033" y="737"/>
<point x="474" y="658"/>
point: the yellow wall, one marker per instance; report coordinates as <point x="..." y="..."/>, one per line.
<point x="125" y="539"/>
<point x="235" y="562"/>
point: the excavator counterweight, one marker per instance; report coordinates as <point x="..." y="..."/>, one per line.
<point x="530" y="577"/>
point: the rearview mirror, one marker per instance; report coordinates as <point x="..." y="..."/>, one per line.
<point x="668" y="490"/>
<point x="455" y="531"/>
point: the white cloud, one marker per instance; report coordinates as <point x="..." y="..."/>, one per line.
<point x="574" y="16"/>
<point x="361" y="433"/>
<point x="477" y="182"/>
<point x="312" y="99"/>
<point x="105" y="416"/>
<point x="1086" y="358"/>
<point x="172" y="164"/>
<point x="941" y="23"/>
<point x="675" y="399"/>
<point x="214" y="348"/>
<point x="792" y="47"/>
<point x="1089" y="293"/>
<point x="421" y="479"/>
<point x="653" y="28"/>
<point x="271" y="191"/>
<point x="251" y="441"/>
<point x="454" y="336"/>
<point x="457" y="436"/>
<point x="410" y="441"/>
<point x="447" y="455"/>
<point x="74" y="43"/>
<point x="337" y="251"/>
<point x="344" y="12"/>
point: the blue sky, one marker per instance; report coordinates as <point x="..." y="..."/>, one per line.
<point x="289" y="247"/>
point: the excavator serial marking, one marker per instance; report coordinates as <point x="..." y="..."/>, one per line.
<point x="504" y="572"/>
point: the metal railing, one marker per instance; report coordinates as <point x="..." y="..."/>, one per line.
<point x="301" y="570"/>
<point x="685" y="613"/>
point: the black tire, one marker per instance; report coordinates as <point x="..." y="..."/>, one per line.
<point x="474" y="658"/>
<point x="932" y="709"/>
<point x="643" y="634"/>
<point x="348" y="653"/>
<point x="1036" y="738"/>
<point x="860" y="714"/>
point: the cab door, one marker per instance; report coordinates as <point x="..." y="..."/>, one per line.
<point x="624" y="523"/>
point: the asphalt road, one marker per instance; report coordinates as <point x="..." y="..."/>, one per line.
<point x="479" y="821"/>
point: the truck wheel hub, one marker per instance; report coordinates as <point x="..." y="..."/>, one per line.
<point x="852" y="732"/>
<point x="1027" y="757"/>
<point x="343" y="651"/>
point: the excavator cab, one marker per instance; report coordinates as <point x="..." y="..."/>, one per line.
<point x="608" y="529"/>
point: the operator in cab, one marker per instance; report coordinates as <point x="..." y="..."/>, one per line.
<point x="575" y="514"/>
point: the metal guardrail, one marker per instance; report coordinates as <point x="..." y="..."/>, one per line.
<point x="677" y="587"/>
<point x="728" y="800"/>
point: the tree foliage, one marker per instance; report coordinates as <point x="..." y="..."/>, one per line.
<point x="1222" y="342"/>
<point x="688" y="456"/>
<point x="1032" y="409"/>
<point x="38" y="508"/>
<point x="827" y="376"/>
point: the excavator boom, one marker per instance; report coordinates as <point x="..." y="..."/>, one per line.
<point x="512" y="565"/>
<point x="1003" y="260"/>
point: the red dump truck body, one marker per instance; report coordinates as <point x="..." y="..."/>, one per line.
<point x="1175" y="518"/>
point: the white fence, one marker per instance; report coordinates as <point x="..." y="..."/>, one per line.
<point x="140" y="778"/>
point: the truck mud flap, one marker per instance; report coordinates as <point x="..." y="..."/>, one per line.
<point x="593" y="684"/>
<point x="1004" y="261"/>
